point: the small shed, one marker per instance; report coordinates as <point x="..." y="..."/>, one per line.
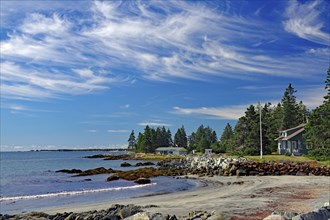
<point x="208" y="151"/>
<point x="171" y="151"/>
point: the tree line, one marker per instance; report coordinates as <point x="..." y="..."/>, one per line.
<point x="244" y="137"/>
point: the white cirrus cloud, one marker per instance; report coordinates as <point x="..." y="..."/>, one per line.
<point x="51" y="52"/>
<point x="154" y="124"/>
<point x="117" y="131"/>
<point x="312" y="96"/>
<point x="21" y="82"/>
<point x="229" y="112"/>
<point x="304" y="21"/>
<point x="40" y="24"/>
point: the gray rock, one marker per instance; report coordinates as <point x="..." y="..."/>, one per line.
<point x="289" y="215"/>
<point x="158" y="216"/>
<point x="274" y="217"/>
<point x="140" y="216"/>
<point x="321" y="214"/>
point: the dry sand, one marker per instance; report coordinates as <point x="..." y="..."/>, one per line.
<point x="252" y="197"/>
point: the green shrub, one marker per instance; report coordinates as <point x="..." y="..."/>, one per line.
<point x="251" y="151"/>
<point x="320" y="154"/>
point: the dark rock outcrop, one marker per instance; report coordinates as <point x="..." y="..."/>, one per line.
<point x="113" y="177"/>
<point x="142" y="181"/>
<point x="125" y="164"/>
<point x="99" y="170"/>
<point x="72" y="171"/>
<point x="140" y="164"/>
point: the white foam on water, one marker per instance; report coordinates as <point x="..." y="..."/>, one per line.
<point x="70" y="193"/>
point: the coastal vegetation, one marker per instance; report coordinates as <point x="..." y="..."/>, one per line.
<point x="243" y="138"/>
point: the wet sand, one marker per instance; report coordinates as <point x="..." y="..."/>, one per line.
<point x="252" y="197"/>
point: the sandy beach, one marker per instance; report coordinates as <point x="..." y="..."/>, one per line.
<point x="249" y="197"/>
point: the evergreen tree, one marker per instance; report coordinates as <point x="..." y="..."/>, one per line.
<point x="273" y="120"/>
<point x="246" y="133"/>
<point x="169" y="141"/>
<point x="252" y="142"/>
<point x="293" y="114"/>
<point x="158" y="138"/>
<point x="148" y="139"/>
<point x="267" y="138"/>
<point x="131" y="141"/>
<point x="180" y="138"/>
<point x="191" y="141"/>
<point x="318" y="127"/>
<point x="203" y="138"/>
<point x="140" y="143"/>
<point x="224" y="144"/>
<point x="227" y="133"/>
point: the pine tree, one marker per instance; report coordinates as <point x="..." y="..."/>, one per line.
<point x="203" y="138"/>
<point x="318" y="127"/>
<point x="140" y="143"/>
<point x="273" y="121"/>
<point x="169" y="141"/>
<point x="148" y="139"/>
<point x="293" y="113"/>
<point x="246" y="133"/>
<point x="180" y="138"/>
<point x="224" y="144"/>
<point x="131" y="141"/>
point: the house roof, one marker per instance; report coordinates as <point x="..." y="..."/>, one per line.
<point x="171" y="149"/>
<point x="294" y="134"/>
<point x="299" y="126"/>
<point x="291" y="135"/>
<point x="302" y="128"/>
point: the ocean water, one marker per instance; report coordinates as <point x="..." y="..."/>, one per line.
<point x="28" y="181"/>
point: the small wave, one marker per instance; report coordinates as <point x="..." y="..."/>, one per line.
<point x="70" y="193"/>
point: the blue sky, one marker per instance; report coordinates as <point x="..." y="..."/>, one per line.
<point x="81" y="74"/>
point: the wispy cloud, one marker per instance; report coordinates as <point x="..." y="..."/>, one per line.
<point x="304" y="21"/>
<point x="125" y="106"/>
<point x="52" y="53"/>
<point x="312" y="96"/>
<point x="117" y="131"/>
<point x="28" y="82"/>
<point x="230" y="112"/>
<point x="22" y="109"/>
<point x="92" y="131"/>
<point x="154" y="124"/>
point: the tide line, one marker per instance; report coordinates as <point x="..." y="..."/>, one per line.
<point x="70" y="193"/>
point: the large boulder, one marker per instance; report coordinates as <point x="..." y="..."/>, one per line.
<point x="142" y="181"/>
<point x="140" y="164"/>
<point x="125" y="164"/>
<point x="321" y="214"/>
<point x="113" y="177"/>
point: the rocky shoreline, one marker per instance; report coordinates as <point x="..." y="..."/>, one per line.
<point x="204" y="167"/>
<point x="134" y="212"/>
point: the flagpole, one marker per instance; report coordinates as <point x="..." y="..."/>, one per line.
<point x="260" y="130"/>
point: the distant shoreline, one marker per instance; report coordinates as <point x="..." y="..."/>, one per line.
<point x="96" y="149"/>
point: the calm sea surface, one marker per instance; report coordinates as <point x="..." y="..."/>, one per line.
<point x="28" y="181"/>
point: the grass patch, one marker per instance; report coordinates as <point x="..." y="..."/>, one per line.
<point x="287" y="158"/>
<point x="140" y="156"/>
